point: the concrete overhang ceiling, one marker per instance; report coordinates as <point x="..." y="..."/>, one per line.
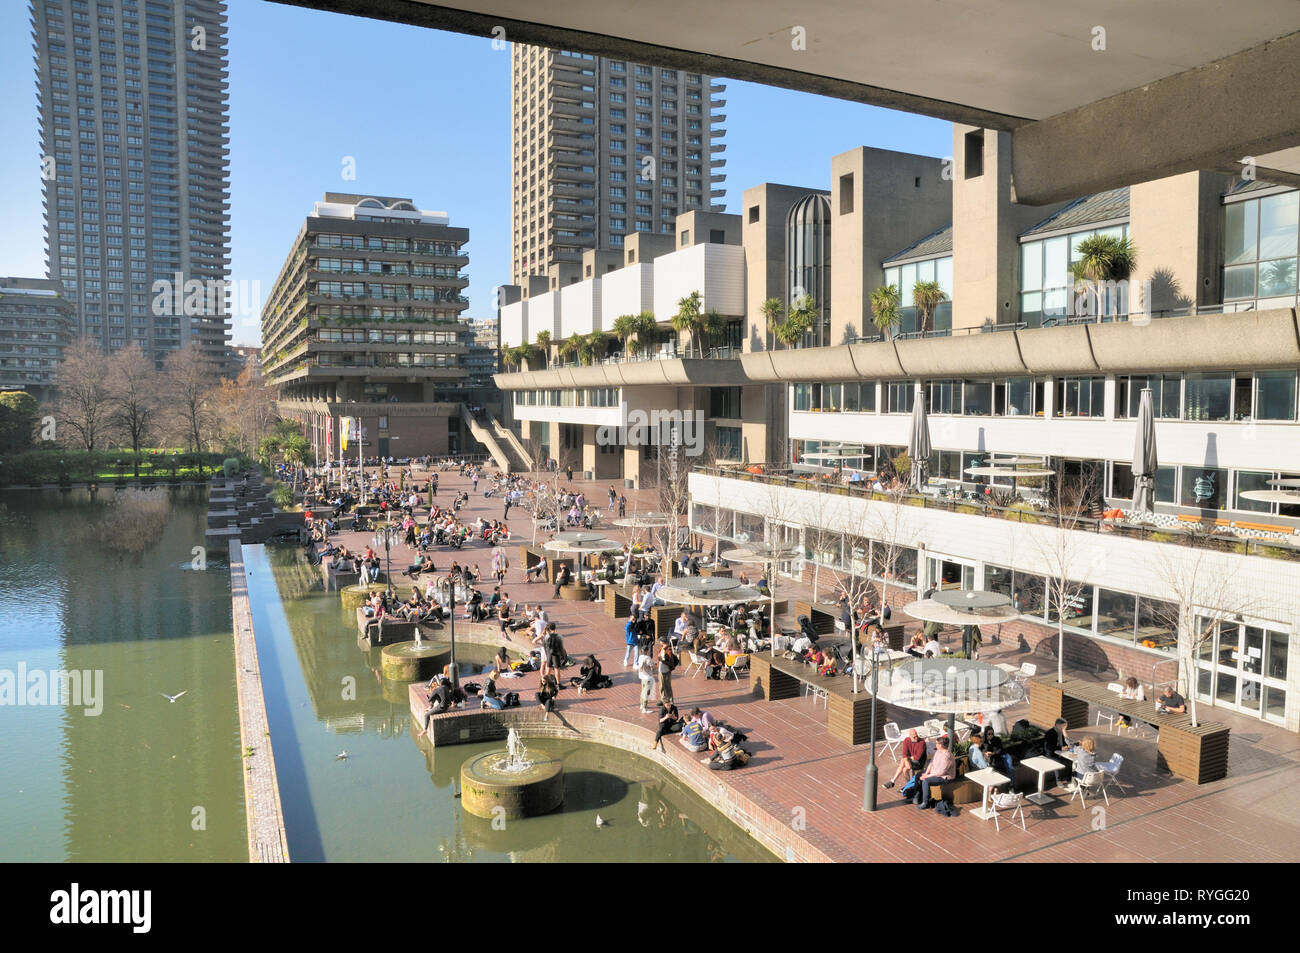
<point x="1096" y="95"/>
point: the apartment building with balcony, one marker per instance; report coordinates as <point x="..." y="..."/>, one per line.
<point x="604" y="149"/>
<point x="36" y="323"/>
<point x="135" y="153"/>
<point x="364" y="321"/>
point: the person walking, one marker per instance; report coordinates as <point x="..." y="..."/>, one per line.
<point x="506" y="515"/>
<point x="645" y="671"/>
<point x="622" y="506"/>
<point x="613" y="499"/>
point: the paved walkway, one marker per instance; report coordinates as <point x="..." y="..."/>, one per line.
<point x="802" y="777"/>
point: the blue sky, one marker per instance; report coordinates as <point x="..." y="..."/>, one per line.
<point x="424" y="114"/>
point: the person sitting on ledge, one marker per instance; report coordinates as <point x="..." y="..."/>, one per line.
<point x="1170" y="702"/>
<point x="942" y="768"/>
<point x="562" y="578"/>
<point x="1133" y="690"/>
<point x="548" y="688"/>
<point x="419" y="566"/>
<point x="914" y="754"/>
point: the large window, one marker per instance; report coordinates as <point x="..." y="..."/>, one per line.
<point x="1018" y="397"/>
<point x="1275" y="394"/>
<point x="977" y="398"/>
<point x="898" y="397"/>
<point x="1080" y="397"/>
<point x="1122" y="482"/>
<point x="905" y="277"/>
<point x="1209" y="396"/>
<point x="1046" y="286"/>
<point x="944" y="396"/>
<point x="1260" y="247"/>
<point x="1166" y="393"/>
<point x="1205" y="487"/>
<point x="729" y="444"/>
<point x="724" y="402"/>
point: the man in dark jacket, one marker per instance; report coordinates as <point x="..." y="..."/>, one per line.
<point x="1056" y="741"/>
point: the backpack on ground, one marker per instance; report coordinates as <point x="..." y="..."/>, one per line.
<point x="512" y="700"/>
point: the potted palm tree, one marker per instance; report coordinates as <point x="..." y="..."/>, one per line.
<point x="885" y="313"/>
<point x="544" y="342"/>
<point x="624" y="328"/>
<point x="1102" y="259"/>
<point x="798" y="321"/>
<point x="927" y="296"/>
<point x="688" y="317"/>
<point x="772" y="315"/>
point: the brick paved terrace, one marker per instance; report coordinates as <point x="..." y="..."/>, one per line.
<point x="803" y="779"/>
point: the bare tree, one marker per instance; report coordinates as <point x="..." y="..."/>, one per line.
<point x="1203" y="590"/>
<point x="133" y="392"/>
<point x="246" y="411"/>
<point x="890" y="530"/>
<point x="189" y="379"/>
<point x="1061" y="553"/>
<point x="84" y="405"/>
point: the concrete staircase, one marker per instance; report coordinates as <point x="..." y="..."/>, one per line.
<point x="502" y="445"/>
<point x="244" y="513"/>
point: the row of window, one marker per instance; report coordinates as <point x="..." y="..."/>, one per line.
<point x="582" y="397"/>
<point x="378" y="336"/>
<point x="1207" y="396"/>
<point x="419" y="246"/>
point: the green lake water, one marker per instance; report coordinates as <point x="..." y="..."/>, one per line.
<point x="145" y="779"/>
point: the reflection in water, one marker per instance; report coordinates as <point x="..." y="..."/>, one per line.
<point x="145" y="780"/>
<point x="377" y="804"/>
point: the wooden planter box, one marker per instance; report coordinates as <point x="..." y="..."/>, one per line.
<point x="1198" y="754"/>
<point x="1048" y="702"/>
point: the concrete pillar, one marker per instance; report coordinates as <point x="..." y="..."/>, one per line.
<point x="632" y="464"/>
<point x="986" y="228"/>
<point x="881" y="202"/>
<point x="1176" y="225"/>
<point x="590" y="456"/>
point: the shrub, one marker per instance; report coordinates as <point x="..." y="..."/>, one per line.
<point x="282" y="497"/>
<point x="230" y="466"/>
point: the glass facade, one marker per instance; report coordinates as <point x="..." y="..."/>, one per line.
<point x="905" y="277"/>
<point x="1046" y="287"/>
<point x="1261" y="244"/>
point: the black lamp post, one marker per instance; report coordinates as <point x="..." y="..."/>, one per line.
<point x="452" y="579"/>
<point x="869" y="781"/>
<point x="384" y="535"/>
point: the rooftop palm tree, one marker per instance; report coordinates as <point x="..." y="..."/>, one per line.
<point x="772" y="312"/>
<point x="689" y="316"/>
<point x="569" y="346"/>
<point x="1102" y="259"/>
<point x="800" y="318"/>
<point x="646" y="327"/>
<point x="544" y="342"/>
<point x="591" y="347"/>
<point x="624" y="327"/>
<point x="885" y="313"/>
<point x="927" y="296"/>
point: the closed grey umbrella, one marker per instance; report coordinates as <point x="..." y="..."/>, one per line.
<point x="1145" y="462"/>
<point x="918" y="441"/>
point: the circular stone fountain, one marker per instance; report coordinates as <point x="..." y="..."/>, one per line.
<point x="508" y="784"/>
<point x="353" y="597"/>
<point x="413" y="661"/>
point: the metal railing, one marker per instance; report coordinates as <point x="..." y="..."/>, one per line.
<point x="1203" y="535"/>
